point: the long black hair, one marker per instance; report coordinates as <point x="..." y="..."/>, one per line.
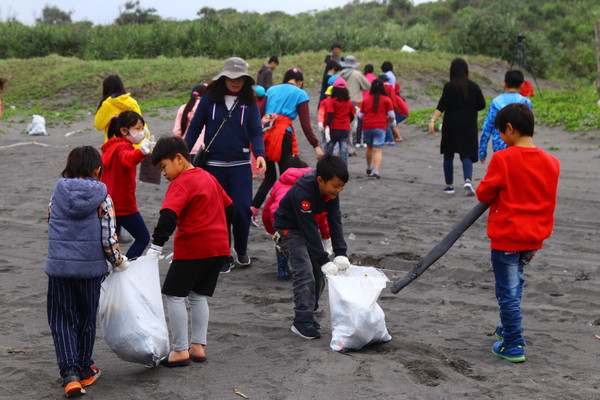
<point x="216" y="91"/>
<point x="377" y="89"/>
<point x="459" y="76"/>
<point x="111" y="85"/>
<point x="197" y="91"/>
<point x="126" y="119"/>
<point x="340" y="93"/>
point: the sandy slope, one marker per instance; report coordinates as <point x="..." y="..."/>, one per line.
<point x="441" y="324"/>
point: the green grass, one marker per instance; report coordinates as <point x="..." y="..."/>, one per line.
<point x="64" y="88"/>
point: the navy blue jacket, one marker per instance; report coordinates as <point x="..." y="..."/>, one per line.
<point x="297" y="211"/>
<point x="74" y="230"/>
<point x="233" y="142"/>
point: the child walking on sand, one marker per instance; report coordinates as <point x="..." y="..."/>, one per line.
<point x="520" y="185"/>
<point x="82" y="237"/>
<point x="197" y="205"/>
<point x="340" y="113"/>
<point x="314" y="194"/>
<point x="120" y="159"/>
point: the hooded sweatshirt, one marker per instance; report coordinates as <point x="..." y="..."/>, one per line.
<point x="74" y="230"/>
<point x="355" y="82"/>
<point x="280" y="188"/>
<point x="111" y="107"/>
<point x="119" y="162"/>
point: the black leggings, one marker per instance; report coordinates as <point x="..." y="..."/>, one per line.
<point x="271" y="173"/>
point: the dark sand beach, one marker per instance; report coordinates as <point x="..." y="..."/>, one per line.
<point x="442" y="325"/>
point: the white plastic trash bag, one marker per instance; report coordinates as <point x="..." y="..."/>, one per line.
<point x="356" y="318"/>
<point x="132" y="315"/>
<point x="37" y="126"/>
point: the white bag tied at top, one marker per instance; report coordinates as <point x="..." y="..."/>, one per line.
<point x="132" y="315"/>
<point x="356" y="318"/>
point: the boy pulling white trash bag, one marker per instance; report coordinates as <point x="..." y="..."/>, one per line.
<point x="356" y="318"/>
<point x="132" y="315"/>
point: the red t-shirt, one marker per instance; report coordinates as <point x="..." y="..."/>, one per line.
<point x="376" y="119"/>
<point x="520" y="185"/>
<point x="342" y="110"/>
<point x="199" y="202"/>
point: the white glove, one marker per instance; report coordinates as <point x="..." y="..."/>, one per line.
<point x="327" y="246"/>
<point x="122" y="266"/>
<point x="329" y="269"/>
<point x="327" y="135"/>
<point x="342" y="263"/>
<point x="321" y="127"/>
<point x="146" y="146"/>
<point x="155" y="251"/>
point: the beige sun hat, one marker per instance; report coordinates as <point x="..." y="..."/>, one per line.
<point x="234" y="68"/>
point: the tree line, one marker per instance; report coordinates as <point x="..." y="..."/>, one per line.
<point x="557" y="36"/>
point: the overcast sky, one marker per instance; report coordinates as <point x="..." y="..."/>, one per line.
<point x="106" y="11"/>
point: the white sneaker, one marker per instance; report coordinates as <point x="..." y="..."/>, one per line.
<point x="357" y="145"/>
<point x="469" y="191"/>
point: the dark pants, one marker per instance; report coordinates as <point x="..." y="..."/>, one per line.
<point x="237" y="183"/>
<point x="72" y="305"/>
<point x="467" y="165"/>
<point x="271" y="172"/>
<point x="308" y="280"/>
<point x="135" y="225"/>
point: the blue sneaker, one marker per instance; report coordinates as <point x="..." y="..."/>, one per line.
<point x="498" y="333"/>
<point x="514" y="353"/>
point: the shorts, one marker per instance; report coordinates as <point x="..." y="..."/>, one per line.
<point x="401" y="117"/>
<point x="199" y="276"/>
<point x="374" y="137"/>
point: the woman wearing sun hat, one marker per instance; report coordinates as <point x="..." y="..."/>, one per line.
<point x="229" y="156"/>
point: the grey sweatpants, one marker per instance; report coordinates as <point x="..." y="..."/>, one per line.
<point x="178" y="320"/>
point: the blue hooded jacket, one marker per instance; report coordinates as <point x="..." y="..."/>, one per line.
<point x="74" y="230"/>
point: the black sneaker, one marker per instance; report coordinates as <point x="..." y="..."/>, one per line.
<point x="369" y="171"/>
<point x="317" y="325"/>
<point x="449" y="190"/>
<point x="305" y="330"/>
<point x="228" y="265"/>
<point x="244" y="261"/>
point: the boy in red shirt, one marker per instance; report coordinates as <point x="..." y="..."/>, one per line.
<point x="200" y="209"/>
<point x="520" y="185"/>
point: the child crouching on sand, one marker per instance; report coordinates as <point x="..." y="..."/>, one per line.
<point x="520" y="185"/>
<point x="82" y="236"/>
<point x="197" y="205"/>
<point x="314" y="194"/>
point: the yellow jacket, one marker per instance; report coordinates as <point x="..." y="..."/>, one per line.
<point x="112" y="107"/>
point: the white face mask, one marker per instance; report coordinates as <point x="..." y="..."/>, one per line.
<point x="135" y="136"/>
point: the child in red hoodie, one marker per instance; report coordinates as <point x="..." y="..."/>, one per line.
<point x="296" y="167"/>
<point x="119" y="162"/>
<point x="520" y="185"/>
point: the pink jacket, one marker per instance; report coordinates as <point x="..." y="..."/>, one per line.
<point x="177" y="126"/>
<point x="280" y="188"/>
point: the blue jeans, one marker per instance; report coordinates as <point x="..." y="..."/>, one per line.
<point x="467" y="166"/>
<point x="508" y="270"/>
<point x="134" y="224"/>
<point x="308" y="280"/>
<point x="339" y="136"/>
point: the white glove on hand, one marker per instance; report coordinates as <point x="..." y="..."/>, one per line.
<point x="327" y="246"/>
<point x="147" y="146"/>
<point x="155" y="251"/>
<point x="342" y="263"/>
<point x="321" y="127"/>
<point x="329" y="269"/>
<point x="327" y="135"/>
<point x="122" y="266"/>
